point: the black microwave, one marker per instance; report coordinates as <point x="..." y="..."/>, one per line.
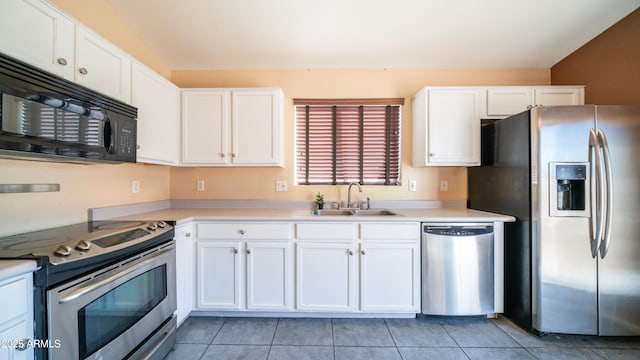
<point x="47" y="117"/>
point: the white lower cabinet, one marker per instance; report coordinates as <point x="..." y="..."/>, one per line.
<point x="243" y="266"/>
<point x="367" y="267"/>
<point x="340" y="267"/>
<point x="268" y="275"/>
<point x="218" y="274"/>
<point x="324" y="276"/>
<point x="185" y="271"/>
<point x="389" y="273"/>
<point x="16" y="317"/>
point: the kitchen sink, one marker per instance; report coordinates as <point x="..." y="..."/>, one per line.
<point x="354" y="212"/>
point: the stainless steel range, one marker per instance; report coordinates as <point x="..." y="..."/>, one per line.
<point x="104" y="290"/>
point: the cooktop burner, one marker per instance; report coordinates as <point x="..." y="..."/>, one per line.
<point x="80" y="241"/>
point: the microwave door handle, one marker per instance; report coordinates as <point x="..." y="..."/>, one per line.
<point x="92" y="286"/>
<point x="107" y="136"/>
<point x="595" y="218"/>
<point x="608" y="187"/>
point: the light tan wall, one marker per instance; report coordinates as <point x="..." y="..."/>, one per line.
<point x="608" y="65"/>
<point x="81" y="187"/>
<point x="259" y="183"/>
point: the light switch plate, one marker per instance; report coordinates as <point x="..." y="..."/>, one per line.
<point x="135" y="186"/>
<point x="412" y="185"/>
<point x="281" y="185"/>
<point x="444" y="185"/>
<point x="200" y="185"/>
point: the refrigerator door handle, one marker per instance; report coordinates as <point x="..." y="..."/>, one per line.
<point x="595" y="225"/>
<point x="608" y="192"/>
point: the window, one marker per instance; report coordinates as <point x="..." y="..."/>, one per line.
<point x="348" y="140"/>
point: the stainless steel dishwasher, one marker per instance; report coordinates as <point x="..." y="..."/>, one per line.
<point x="457" y="269"/>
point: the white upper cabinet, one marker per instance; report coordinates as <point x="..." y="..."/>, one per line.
<point x="256" y="124"/>
<point x="446" y="126"/>
<point x="38" y="34"/>
<point x="232" y="127"/>
<point x="503" y="101"/>
<point x="158" y="103"/>
<point x="205" y="120"/>
<point x="101" y="66"/>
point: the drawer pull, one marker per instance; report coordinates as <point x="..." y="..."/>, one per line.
<point x="83" y="71"/>
<point x="242" y="232"/>
<point x="62" y="61"/>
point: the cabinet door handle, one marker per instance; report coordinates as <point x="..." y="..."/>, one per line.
<point x="21" y="345"/>
<point x="362" y="252"/>
<point x="235" y="251"/>
<point x="350" y="252"/>
<point x="221" y="155"/>
<point x="62" y="61"/>
<point x="83" y="71"/>
<point x="187" y="235"/>
<point x="248" y="251"/>
<point x="242" y="232"/>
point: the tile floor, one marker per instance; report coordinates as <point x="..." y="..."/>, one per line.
<point x="439" y="338"/>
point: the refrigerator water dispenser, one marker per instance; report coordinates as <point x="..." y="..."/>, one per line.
<point x="569" y="189"/>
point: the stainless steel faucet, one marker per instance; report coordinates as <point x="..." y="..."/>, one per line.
<point x="349" y="192"/>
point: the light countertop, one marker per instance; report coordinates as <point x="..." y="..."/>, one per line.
<point x="11" y="268"/>
<point x="183" y="215"/>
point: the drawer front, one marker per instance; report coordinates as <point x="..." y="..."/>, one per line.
<point x="253" y="231"/>
<point x="390" y="231"/>
<point x="325" y="231"/>
<point x="14" y="298"/>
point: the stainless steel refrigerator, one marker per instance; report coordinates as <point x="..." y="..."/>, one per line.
<point x="571" y="177"/>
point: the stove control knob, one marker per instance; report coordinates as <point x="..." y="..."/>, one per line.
<point x="63" y="250"/>
<point x="152" y="227"/>
<point x="161" y="224"/>
<point x="83" y="245"/>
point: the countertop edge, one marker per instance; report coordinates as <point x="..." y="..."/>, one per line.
<point x="186" y="215"/>
<point x="13" y="268"/>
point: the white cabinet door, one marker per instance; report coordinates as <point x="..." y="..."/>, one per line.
<point x="101" y="66"/>
<point x="218" y="275"/>
<point x="256" y="127"/>
<point x="232" y="127"/>
<point x="16" y="316"/>
<point x="15" y="332"/>
<point x="389" y="277"/>
<point x="324" y="276"/>
<point x="205" y="123"/>
<point x="504" y="101"/>
<point x="447" y="127"/>
<point x="185" y="270"/>
<point x="158" y="103"/>
<point x="559" y="95"/>
<point x="268" y="275"/>
<point x="37" y="33"/>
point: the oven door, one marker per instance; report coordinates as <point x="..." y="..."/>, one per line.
<point x="108" y="314"/>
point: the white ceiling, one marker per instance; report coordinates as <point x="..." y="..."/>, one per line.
<point x="302" y="34"/>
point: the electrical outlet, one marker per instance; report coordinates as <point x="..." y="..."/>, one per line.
<point x="135" y="186"/>
<point x="444" y="185"/>
<point x="200" y="185"/>
<point x="281" y="185"/>
<point x="412" y="185"/>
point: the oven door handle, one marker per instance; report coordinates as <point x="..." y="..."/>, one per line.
<point x="90" y="287"/>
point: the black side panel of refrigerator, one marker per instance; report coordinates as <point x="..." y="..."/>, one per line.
<point x="502" y="184"/>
